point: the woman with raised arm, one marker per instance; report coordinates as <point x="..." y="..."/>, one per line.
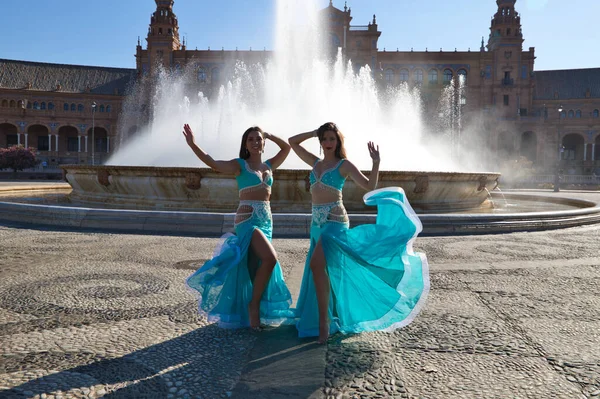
<point x="243" y="285"/>
<point x="362" y="279"/>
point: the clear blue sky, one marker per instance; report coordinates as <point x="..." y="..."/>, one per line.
<point x="105" y="32"/>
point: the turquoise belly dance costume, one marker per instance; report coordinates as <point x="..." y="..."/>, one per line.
<point x="377" y="281"/>
<point x="225" y="282"/>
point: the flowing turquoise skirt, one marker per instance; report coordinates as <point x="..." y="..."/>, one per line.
<point x="378" y="283"/>
<point x="224" y="283"/>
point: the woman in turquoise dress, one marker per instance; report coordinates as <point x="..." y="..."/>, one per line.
<point x="362" y="279"/>
<point x="243" y="285"/>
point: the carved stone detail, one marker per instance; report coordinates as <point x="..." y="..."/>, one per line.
<point x="482" y="183"/>
<point x="193" y="180"/>
<point x="422" y="184"/>
<point x="103" y="177"/>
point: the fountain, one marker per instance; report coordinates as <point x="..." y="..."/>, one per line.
<point x="153" y="182"/>
<point x="298" y="89"/>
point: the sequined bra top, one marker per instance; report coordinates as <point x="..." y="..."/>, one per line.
<point x="330" y="179"/>
<point x="252" y="180"/>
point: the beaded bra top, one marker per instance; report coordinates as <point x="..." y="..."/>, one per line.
<point x="252" y="180"/>
<point x="331" y="179"/>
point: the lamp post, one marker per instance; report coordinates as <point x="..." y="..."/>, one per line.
<point x="559" y="148"/>
<point x="93" y="137"/>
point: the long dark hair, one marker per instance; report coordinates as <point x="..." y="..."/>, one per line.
<point x="244" y="153"/>
<point x="340" y="151"/>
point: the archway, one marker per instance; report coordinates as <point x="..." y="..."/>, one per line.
<point x="8" y="135"/>
<point x="100" y="140"/>
<point x="38" y="137"/>
<point x="572" y="147"/>
<point x="529" y="146"/>
<point x="68" y="137"/>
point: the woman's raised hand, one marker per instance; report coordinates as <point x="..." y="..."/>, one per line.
<point x="188" y="134"/>
<point x="373" y="151"/>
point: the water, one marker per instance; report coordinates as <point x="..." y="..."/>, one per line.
<point x="515" y="206"/>
<point x="298" y="89"/>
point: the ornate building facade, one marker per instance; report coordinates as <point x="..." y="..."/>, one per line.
<point x="58" y="108"/>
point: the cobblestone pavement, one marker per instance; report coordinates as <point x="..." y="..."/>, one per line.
<point x="87" y="315"/>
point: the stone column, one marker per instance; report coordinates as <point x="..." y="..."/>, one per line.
<point x="79" y="143"/>
<point x="585" y="151"/>
<point x="26" y="141"/>
<point x="86" y="140"/>
<point x="594" y="152"/>
<point x="18" y="138"/>
<point x="49" y="142"/>
<point x="56" y="144"/>
<point x="107" y="144"/>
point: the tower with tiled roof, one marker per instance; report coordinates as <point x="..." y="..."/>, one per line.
<point x="162" y="39"/>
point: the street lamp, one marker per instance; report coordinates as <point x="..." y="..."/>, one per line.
<point x="559" y="146"/>
<point x="93" y="128"/>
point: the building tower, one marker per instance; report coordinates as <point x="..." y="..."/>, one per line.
<point x="511" y="66"/>
<point x="162" y="39"/>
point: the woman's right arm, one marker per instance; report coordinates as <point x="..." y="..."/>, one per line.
<point x="231" y="167"/>
<point x="304" y="154"/>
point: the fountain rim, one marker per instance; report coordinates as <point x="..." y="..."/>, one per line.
<point x="188" y="169"/>
<point x="211" y="224"/>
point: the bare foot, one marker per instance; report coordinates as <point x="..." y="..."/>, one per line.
<point x="323" y="333"/>
<point x="254" y="315"/>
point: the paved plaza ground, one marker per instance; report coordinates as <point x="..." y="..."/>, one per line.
<point x="91" y="314"/>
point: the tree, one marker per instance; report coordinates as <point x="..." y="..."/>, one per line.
<point x="17" y="158"/>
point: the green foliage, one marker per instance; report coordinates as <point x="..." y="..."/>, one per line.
<point x="17" y="158"/>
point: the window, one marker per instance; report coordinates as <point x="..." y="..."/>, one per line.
<point x="523" y="111"/>
<point x="72" y="144"/>
<point x="563" y="114"/>
<point x="201" y="75"/>
<point x="102" y="108"/>
<point x="43" y="143"/>
<point x="334" y="40"/>
<point x="462" y="76"/>
<point x="433" y="77"/>
<point x="578" y="114"/>
<point x="36" y="105"/>
<point x="101" y="144"/>
<point x="11" y="140"/>
<point x="108" y="108"/>
<point x="215" y="76"/>
<point x="389" y="76"/>
<point x="506" y="99"/>
<point x="488" y="71"/>
<point x="447" y="76"/>
<point x="596" y="113"/>
<point x="5" y="103"/>
<point x="571" y="113"/>
<point x="13" y="104"/>
<point x="51" y="106"/>
<point x="80" y="108"/>
<point x="419" y="76"/>
<point x="73" y="107"/>
<point x="404" y="75"/>
<point x="569" y="153"/>
<point x="43" y="105"/>
<point x="524" y="72"/>
<point x="66" y="107"/>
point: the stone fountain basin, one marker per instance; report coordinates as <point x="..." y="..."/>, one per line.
<point x="201" y="189"/>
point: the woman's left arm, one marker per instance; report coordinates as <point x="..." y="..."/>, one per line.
<point x="284" y="151"/>
<point x="359" y="178"/>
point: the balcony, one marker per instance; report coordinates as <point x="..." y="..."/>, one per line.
<point x="359" y="28"/>
<point x="507" y="82"/>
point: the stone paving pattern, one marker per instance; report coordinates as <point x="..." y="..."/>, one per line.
<point x="88" y="315"/>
